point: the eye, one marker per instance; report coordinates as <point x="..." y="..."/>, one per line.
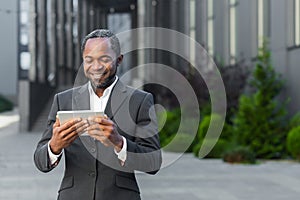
<point x="106" y="59"/>
<point x="88" y="60"/>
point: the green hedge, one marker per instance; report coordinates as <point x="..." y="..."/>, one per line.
<point x="5" y="105"/>
<point x="168" y="122"/>
<point x="216" y="152"/>
<point x="239" y="154"/>
<point x="180" y="143"/>
<point x="293" y="142"/>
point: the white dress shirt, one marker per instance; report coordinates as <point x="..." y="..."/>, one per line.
<point x="97" y="104"/>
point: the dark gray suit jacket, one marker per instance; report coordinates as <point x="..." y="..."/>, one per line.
<point x="93" y="171"/>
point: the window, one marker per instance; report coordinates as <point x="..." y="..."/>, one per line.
<point x="25" y="58"/>
<point x="210" y="27"/>
<point x="24" y="40"/>
<point x="232" y="31"/>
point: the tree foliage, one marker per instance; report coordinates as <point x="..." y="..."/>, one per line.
<point x="260" y="118"/>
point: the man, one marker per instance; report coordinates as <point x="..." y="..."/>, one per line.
<point x="101" y="165"/>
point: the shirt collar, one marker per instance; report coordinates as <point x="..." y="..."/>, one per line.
<point x="106" y="91"/>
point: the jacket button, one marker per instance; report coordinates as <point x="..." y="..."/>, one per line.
<point x="92" y="174"/>
<point x="93" y="150"/>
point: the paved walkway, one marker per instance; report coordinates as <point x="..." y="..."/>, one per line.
<point x="188" y="178"/>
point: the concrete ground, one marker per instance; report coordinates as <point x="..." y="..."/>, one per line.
<point x="187" y="178"/>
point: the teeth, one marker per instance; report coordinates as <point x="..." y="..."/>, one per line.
<point x="97" y="75"/>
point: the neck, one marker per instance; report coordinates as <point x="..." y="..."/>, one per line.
<point x="100" y="90"/>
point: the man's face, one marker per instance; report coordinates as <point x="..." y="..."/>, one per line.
<point x="100" y="62"/>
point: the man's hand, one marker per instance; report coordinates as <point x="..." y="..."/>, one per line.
<point x="105" y="131"/>
<point x="63" y="135"/>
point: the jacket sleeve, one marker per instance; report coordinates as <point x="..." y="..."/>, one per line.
<point x="143" y="153"/>
<point x="41" y="156"/>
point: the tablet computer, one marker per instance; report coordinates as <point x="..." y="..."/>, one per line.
<point x="64" y="116"/>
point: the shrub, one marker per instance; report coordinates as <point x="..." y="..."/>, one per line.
<point x="169" y="122"/>
<point x="293" y="142"/>
<point x="239" y="155"/>
<point x="295" y="121"/>
<point x="260" y="119"/>
<point x="223" y="141"/>
<point x="180" y="143"/>
<point x="217" y="151"/>
<point x="5" y="105"/>
<point x="205" y="123"/>
<point x="203" y="127"/>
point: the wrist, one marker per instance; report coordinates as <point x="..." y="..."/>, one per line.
<point x="55" y="150"/>
<point x="119" y="144"/>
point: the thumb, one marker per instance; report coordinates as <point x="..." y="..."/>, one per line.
<point x="57" y="123"/>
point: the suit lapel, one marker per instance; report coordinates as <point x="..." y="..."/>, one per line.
<point x="116" y="99"/>
<point x="82" y="102"/>
<point x="81" y="98"/>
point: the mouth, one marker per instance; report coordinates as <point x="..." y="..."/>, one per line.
<point x="97" y="75"/>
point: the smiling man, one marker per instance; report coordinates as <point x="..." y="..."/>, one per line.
<point x="101" y="166"/>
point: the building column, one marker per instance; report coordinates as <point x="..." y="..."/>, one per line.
<point x="53" y="72"/>
<point x="69" y="41"/>
<point x="42" y="61"/>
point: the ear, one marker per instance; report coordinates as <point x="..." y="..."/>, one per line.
<point x="119" y="59"/>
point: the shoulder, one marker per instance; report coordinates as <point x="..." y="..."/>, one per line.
<point x="134" y="93"/>
<point x="70" y="92"/>
<point x="139" y="97"/>
<point x="138" y="92"/>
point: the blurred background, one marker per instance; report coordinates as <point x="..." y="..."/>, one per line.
<point x="254" y="43"/>
<point x="41" y="41"/>
<point x="40" y="51"/>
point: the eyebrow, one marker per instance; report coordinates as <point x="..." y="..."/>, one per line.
<point x="104" y="56"/>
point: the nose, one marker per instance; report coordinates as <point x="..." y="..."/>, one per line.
<point x="97" y="66"/>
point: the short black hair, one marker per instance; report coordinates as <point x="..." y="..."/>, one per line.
<point x="103" y="33"/>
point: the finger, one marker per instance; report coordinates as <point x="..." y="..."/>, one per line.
<point x="102" y="139"/>
<point x="57" y="123"/>
<point x="80" y="124"/>
<point x="94" y="133"/>
<point x="102" y="120"/>
<point x="100" y="116"/>
<point x="107" y="122"/>
<point x="105" y="116"/>
<point x="106" y="142"/>
<point x="82" y="129"/>
<point x="97" y="127"/>
<point x="76" y="129"/>
<point x="69" y="124"/>
<point x="71" y="137"/>
<point x="100" y="135"/>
